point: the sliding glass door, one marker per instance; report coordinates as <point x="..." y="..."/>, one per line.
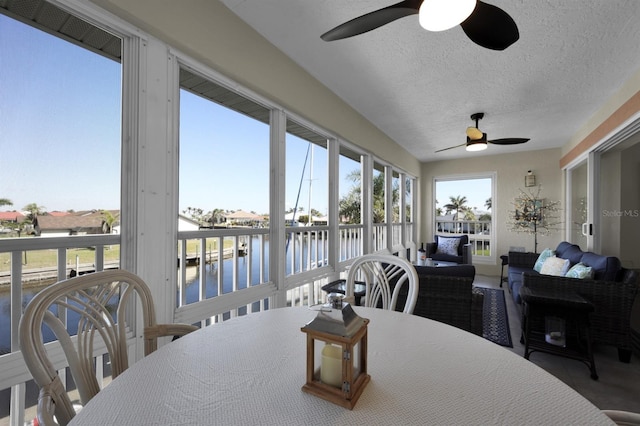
<point x="578" y="205"/>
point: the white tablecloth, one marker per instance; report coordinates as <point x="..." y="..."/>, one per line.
<point x="250" y="370"/>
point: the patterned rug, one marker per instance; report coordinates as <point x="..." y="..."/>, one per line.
<point x="495" y="322"/>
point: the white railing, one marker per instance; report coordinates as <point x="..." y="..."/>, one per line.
<point x="479" y="232"/>
<point x="21" y="281"/>
<point x="221" y="273"/>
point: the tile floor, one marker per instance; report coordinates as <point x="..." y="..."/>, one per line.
<point x="618" y="386"/>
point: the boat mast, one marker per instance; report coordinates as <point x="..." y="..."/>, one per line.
<point x="310" y="185"/>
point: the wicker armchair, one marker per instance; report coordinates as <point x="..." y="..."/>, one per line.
<point x="97" y="304"/>
<point x="462" y="256"/>
<point x="612" y="300"/>
<point x="447" y="294"/>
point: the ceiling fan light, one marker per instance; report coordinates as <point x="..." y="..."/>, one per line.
<point x="440" y="15"/>
<point x="473" y="146"/>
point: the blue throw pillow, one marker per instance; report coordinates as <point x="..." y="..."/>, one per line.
<point x="580" y="271"/>
<point x="546" y="253"/>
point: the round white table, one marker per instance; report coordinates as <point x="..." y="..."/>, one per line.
<point x="250" y="370"/>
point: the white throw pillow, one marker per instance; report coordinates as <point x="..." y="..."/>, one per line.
<point x="555" y="266"/>
<point x="448" y="246"/>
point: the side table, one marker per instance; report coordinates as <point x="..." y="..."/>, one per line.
<point x="540" y="304"/>
<point x="340" y="286"/>
<point x="505" y="261"/>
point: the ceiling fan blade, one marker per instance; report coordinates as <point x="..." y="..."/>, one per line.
<point x="491" y="27"/>
<point x="473" y="133"/>
<point x="451" y="147"/>
<point x="373" y="20"/>
<point x="508" y="141"/>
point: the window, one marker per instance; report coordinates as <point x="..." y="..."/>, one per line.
<point x="306" y="200"/>
<point x="350" y="203"/>
<point x="223" y="183"/>
<point x="61" y="148"/>
<point x="463" y="206"/>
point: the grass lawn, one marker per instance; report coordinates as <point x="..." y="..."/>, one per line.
<point x="36" y="259"/>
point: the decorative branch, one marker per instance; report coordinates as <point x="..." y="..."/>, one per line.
<point x="532" y="215"/>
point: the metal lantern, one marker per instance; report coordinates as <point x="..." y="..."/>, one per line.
<point x="337" y="353"/>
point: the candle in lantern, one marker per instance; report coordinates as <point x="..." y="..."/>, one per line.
<point x="331" y="367"/>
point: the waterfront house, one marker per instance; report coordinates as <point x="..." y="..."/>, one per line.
<point x="204" y="48"/>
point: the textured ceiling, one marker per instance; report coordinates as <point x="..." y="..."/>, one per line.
<point x="420" y="87"/>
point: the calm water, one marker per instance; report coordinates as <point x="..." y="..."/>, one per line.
<point x="192" y="292"/>
<point x="192" y="287"/>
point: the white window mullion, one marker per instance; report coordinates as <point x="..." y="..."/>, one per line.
<point x="277" y="231"/>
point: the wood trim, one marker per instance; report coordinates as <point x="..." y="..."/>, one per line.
<point x="622" y="114"/>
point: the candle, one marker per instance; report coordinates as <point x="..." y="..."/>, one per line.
<point x="331" y="367"/>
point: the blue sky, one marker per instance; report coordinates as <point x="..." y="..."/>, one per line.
<point x="60" y="109"/>
<point x="56" y="142"/>
<point x="476" y="190"/>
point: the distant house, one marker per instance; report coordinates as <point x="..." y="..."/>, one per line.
<point x="7" y="218"/>
<point x="58" y="213"/>
<point x="187" y="224"/>
<point x="78" y="223"/>
<point x="243" y="218"/>
<point x="14" y="216"/>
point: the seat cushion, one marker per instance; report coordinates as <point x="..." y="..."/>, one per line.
<point x="446" y="258"/>
<point x="515" y="280"/>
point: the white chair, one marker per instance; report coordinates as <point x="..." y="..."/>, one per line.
<point x="377" y="271"/>
<point x="623" y="418"/>
<point x="100" y="303"/>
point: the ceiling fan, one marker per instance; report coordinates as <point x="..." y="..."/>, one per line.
<point x="485" y="24"/>
<point x="477" y="141"/>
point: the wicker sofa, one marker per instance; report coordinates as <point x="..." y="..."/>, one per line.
<point x="613" y="291"/>
<point x="447" y="294"/>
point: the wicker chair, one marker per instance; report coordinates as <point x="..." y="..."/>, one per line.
<point x="447" y="294"/>
<point x="99" y="302"/>
<point x="384" y="275"/>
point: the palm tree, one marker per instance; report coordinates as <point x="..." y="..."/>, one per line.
<point x="5" y="202"/>
<point x="349" y="206"/>
<point x="457" y="204"/>
<point x="216" y="216"/>
<point x="34" y="210"/>
<point x="109" y="219"/>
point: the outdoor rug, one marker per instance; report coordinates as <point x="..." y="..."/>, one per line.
<point x="495" y="322"/>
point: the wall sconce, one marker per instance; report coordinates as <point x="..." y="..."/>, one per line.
<point x="337" y="353"/>
<point x="530" y="179"/>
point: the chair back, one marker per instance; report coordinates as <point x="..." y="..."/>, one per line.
<point x="384" y="275"/>
<point x="88" y="315"/>
<point x="623" y="418"/>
